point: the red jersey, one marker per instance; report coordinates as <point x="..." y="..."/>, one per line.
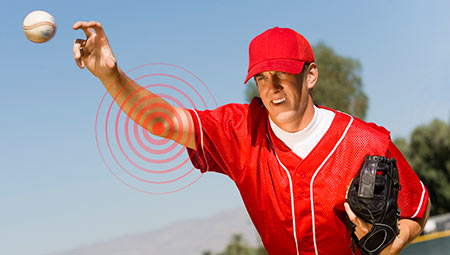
<point x="296" y="204"/>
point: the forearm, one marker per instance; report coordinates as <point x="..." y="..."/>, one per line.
<point x="130" y="96"/>
<point x="148" y="109"/>
<point x="409" y="230"/>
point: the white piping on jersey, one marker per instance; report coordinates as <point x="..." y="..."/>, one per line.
<point x="314" y="176"/>
<point x="421" y="201"/>
<point x="292" y="203"/>
<point x="201" y="139"/>
<point x="291" y="192"/>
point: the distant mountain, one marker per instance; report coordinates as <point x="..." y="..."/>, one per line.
<point x="190" y="237"/>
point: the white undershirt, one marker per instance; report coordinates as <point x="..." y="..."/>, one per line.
<point x="303" y="141"/>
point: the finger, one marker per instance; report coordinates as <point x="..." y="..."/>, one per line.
<point x="78" y="25"/>
<point x="85" y="27"/>
<point x="81" y="43"/>
<point x="87" y="31"/>
<point x="351" y="215"/>
<point x="98" y="27"/>
<point x="77" y="52"/>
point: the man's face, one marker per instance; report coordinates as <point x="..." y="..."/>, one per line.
<point x="284" y="95"/>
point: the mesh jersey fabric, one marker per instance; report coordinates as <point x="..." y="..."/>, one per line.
<point x="236" y="139"/>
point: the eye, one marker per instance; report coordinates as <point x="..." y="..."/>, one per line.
<point x="260" y="78"/>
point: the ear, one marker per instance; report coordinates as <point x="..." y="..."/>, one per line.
<point x="311" y="76"/>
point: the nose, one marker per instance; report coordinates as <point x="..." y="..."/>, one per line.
<point x="274" y="83"/>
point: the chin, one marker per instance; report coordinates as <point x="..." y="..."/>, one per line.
<point x="284" y="117"/>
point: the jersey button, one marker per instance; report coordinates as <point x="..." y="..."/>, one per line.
<point x="305" y="194"/>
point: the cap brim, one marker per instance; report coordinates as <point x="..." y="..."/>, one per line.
<point x="283" y="65"/>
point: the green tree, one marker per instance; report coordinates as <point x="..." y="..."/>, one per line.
<point x="428" y="152"/>
<point x="237" y="246"/>
<point x="339" y="85"/>
<point x="260" y="251"/>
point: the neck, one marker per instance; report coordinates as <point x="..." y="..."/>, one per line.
<point x="300" y="122"/>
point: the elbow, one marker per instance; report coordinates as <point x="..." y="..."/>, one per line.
<point x="162" y="127"/>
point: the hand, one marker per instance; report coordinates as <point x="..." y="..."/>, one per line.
<point x="94" y="53"/>
<point x="362" y="227"/>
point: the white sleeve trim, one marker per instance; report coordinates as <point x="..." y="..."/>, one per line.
<point x="421" y="201"/>
<point x="201" y="140"/>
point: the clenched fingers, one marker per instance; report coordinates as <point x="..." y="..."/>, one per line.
<point x="78" y="52"/>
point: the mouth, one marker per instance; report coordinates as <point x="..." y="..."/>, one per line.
<point x="279" y="101"/>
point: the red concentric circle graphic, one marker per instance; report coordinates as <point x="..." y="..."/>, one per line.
<point x="141" y="160"/>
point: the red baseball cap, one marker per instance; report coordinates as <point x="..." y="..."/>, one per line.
<point x="278" y="49"/>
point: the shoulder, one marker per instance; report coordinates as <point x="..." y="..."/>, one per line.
<point x="370" y="128"/>
<point x="362" y="133"/>
<point x="361" y="125"/>
<point x="248" y="112"/>
<point x="235" y="114"/>
<point x="255" y="105"/>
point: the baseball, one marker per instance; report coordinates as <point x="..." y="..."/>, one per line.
<point x="39" y="26"/>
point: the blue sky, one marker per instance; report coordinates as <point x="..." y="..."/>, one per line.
<point x="55" y="190"/>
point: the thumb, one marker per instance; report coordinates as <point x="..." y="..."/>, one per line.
<point x="351" y="215"/>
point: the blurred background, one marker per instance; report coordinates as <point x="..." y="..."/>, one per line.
<point x="388" y="59"/>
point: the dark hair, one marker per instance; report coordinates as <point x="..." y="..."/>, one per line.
<point x="305" y="67"/>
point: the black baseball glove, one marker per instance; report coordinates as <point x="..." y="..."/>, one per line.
<point x="372" y="196"/>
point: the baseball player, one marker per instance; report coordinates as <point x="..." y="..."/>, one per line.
<point x="291" y="160"/>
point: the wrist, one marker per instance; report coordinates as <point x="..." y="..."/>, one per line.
<point x="401" y="240"/>
<point x="113" y="77"/>
<point x="395" y="247"/>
